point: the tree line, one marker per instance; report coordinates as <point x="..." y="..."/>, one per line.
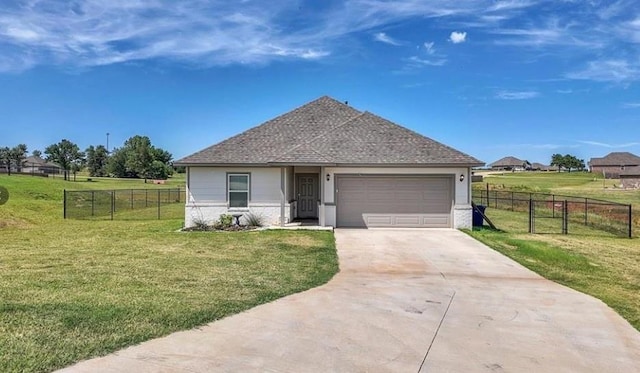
<point x="568" y="162"/>
<point x="137" y="158"/>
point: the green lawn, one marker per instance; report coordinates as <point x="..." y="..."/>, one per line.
<point x="74" y="289"/>
<point x="588" y="260"/>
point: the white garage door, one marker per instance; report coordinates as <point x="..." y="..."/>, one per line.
<point x="394" y="201"/>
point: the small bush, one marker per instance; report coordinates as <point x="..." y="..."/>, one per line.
<point x="225" y="221"/>
<point x="199" y="224"/>
<point x="254" y="220"/>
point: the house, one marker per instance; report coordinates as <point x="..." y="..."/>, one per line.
<point x="328" y="161"/>
<point x="37" y="165"/>
<point x="630" y="178"/>
<point x="509" y="164"/>
<point x="613" y="164"/>
<point x="535" y="166"/>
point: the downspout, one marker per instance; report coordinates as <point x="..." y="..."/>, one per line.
<point x="282" y="194"/>
<point x="321" y="211"/>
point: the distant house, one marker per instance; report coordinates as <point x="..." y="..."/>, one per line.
<point x="37" y="165"/>
<point x="613" y="164"/>
<point x="630" y="178"/>
<point x="509" y="164"/>
<point x="535" y="166"/>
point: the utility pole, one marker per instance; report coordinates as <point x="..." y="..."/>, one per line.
<point x="108" y="143"/>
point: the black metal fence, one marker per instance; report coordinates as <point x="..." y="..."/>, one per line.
<point x="552" y="213"/>
<point x="133" y="204"/>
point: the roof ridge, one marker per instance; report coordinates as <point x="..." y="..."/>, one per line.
<point x="329" y="130"/>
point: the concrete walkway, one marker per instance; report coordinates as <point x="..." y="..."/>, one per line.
<point x="404" y="301"/>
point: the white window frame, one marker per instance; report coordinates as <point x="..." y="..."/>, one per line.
<point x="229" y="191"/>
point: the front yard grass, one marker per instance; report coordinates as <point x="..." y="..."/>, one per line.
<point x="73" y="289"/>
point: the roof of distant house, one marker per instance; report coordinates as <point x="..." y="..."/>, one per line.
<point x="616" y="159"/>
<point x="507" y="162"/>
<point x="328" y="132"/>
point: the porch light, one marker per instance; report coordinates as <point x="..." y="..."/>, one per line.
<point x="328" y="177"/>
<point x="461" y="177"/>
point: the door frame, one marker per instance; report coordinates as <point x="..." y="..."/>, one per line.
<point x="316" y="186"/>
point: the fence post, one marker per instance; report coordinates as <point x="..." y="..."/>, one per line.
<point x="146" y="198"/>
<point x="532" y="228"/>
<point x="553" y="205"/>
<point x="512" y="201"/>
<point x="64" y="208"/>
<point x="630" y="221"/>
<point x="565" y="217"/>
<point x="487" y="204"/>
<point x="93" y="202"/>
<point x="158" y="204"/>
<point x="131" y="199"/>
<point x="113" y="202"/>
<point x="586" y="211"/>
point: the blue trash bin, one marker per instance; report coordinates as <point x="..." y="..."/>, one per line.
<point x="478" y="220"/>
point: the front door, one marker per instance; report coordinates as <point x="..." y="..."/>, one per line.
<point x="307" y="190"/>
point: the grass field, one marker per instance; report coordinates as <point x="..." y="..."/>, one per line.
<point x="593" y="262"/>
<point x="74" y="289"/>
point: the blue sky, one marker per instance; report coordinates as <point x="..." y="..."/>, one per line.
<point x="525" y="78"/>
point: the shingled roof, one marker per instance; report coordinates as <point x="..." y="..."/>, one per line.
<point x="328" y="132"/>
<point x="507" y="162"/>
<point x="616" y="159"/>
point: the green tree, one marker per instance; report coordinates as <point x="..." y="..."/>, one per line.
<point x="18" y="154"/>
<point x="139" y="158"/>
<point x="567" y="161"/>
<point x="36" y="153"/>
<point x="5" y="158"/>
<point x="97" y="159"/>
<point x="66" y="154"/>
<point x="15" y="156"/>
<point x="558" y="161"/>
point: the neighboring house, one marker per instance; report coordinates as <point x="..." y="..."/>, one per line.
<point x="37" y="165"/>
<point x="328" y="161"/>
<point x="630" y="178"/>
<point x="509" y="164"/>
<point x="613" y="164"/>
<point x="535" y="166"/>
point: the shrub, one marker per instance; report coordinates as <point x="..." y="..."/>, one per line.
<point x="199" y="224"/>
<point x="224" y="222"/>
<point x="254" y="220"/>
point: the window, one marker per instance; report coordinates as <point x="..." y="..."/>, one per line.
<point x="238" y="190"/>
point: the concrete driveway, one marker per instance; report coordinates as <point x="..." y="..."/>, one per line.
<point x="404" y="301"/>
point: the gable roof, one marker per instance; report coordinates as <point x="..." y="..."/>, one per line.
<point x="540" y="166"/>
<point x="328" y="132"/>
<point x="616" y="159"/>
<point x="507" y="162"/>
<point x="34" y="161"/>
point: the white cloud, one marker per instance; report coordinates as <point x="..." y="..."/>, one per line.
<point x="417" y="61"/>
<point x="516" y="95"/>
<point x="458" y="37"/>
<point x="565" y="91"/>
<point x="612" y="71"/>
<point x="218" y="32"/>
<point x="384" y="38"/>
<point x="428" y="46"/>
<point x="631" y="105"/>
<point x="607" y="145"/>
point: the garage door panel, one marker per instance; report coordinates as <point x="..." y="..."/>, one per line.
<point x="404" y="201"/>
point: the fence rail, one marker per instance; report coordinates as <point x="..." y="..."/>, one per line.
<point x="135" y="204"/>
<point x="608" y="216"/>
